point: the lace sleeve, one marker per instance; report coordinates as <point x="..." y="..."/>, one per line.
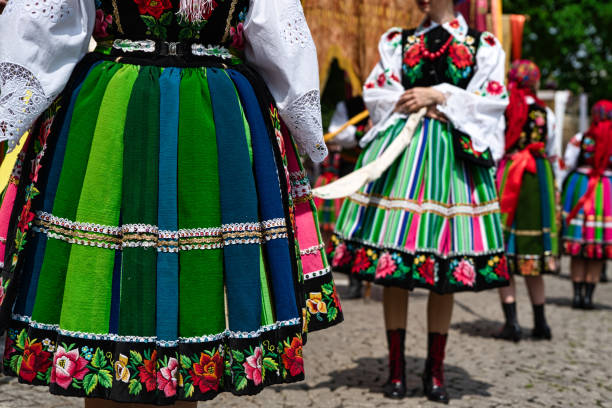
<point x="47" y="38"/>
<point x="279" y="45"/>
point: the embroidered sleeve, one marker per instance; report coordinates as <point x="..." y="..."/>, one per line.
<point x="279" y="45"/>
<point x="47" y="38"/>
<point x="383" y="87"/>
<point x="478" y="109"/>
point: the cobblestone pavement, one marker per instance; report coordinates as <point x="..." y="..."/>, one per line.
<point x="346" y="365"/>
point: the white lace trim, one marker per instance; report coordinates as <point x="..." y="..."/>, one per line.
<point x="53" y="10"/>
<point x="22" y="100"/>
<point x="294" y="28"/>
<point x="303" y="118"/>
<point x="312" y="250"/>
<point x="227" y="334"/>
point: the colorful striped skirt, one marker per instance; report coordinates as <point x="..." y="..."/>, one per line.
<point x="430" y="221"/>
<point x="589" y="234"/>
<point x="161" y="241"/>
<point x="532" y="242"/>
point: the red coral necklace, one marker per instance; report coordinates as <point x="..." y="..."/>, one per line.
<point x="433" y="55"/>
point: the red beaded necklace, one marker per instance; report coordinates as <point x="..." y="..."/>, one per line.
<point x="433" y="55"/>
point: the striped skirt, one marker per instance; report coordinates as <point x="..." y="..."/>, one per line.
<point x="160" y="239"/>
<point x="430" y="221"/>
<point x="589" y="234"/>
<point x="532" y="242"/>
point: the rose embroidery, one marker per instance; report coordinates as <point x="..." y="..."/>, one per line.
<point x="386" y="266"/>
<point x="253" y="366"/>
<point x="342" y="256"/>
<point x="412" y="56"/>
<point x="237" y="36"/>
<point x="166" y="378"/>
<point x="102" y="23"/>
<point x="207" y="373"/>
<point x="292" y="357"/>
<point x="489" y="39"/>
<point x="361" y="261"/>
<point x="35" y="361"/>
<point x="68" y="366"/>
<point x="148" y="374"/>
<point x="494" y="88"/>
<point x="153" y="7"/>
<point x="502" y="268"/>
<point x="427" y="271"/>
<point x="465" y="274"/>
<point x="460" y="55"/>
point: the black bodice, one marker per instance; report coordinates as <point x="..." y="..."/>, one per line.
<point x="535" y="129"/>
<point x="454" y="66"/>
<point x="158" y="20"/>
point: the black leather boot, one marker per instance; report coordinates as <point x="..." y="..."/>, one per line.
<point x="395" y="387"/>
<point x="433" y="377"/>
<point x="588" y="304"/>
<point x="511" y="330"/>
<point x="541" y="330"/>
<point x="354" y="289"/>
<point x="578" y="300"/>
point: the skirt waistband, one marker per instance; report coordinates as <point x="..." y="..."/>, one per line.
<point x="156" y="49"/>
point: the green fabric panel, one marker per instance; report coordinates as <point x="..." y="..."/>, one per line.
<point x="528" y="216"/>
<point x="202" y="304"/>
<point x="88" y="293"/>
<point x="137" y="310"/>
<point x="267" y="310"/>
<point x="50" y="289"/>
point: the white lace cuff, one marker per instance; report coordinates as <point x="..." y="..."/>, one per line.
<point x="303" y="118"/>
<point x="22" y="100"/>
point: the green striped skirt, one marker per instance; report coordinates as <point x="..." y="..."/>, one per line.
<point x="532" y="242"/>
<point x="429" y="221"/>
<point x="153" y="251"/>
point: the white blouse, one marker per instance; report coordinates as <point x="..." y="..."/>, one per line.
<point x="477" y="110"/>
<point x="41" y="42"/>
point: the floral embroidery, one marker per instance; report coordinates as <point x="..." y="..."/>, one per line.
<point x="454" y="24"/>
<point x="496" y="269"/>
<point x="495" y="88"/>
<point x="426" y="268"/>
<point x="167" y="377"/>
<point x="385" y="78"/>
<point x="3" y="288"/>
<point x="154" y="8"/>
<point x="460" y="55"/>
<point x="463" y="273"/>
<point x="101" y="25"/>
<point x="253" y="366"/>
<point x="489" y="39"/>
<point x="35" y="360"/>
<point x="122" y="373"/>
<point x="386" y="266"/>
<point x="206" y="372"/>
<point x="157" y="26"/>
<point x="412" y="56"/>
<point x="315" y="304"/>
<point x="324" y="305"/>
<point x="361" y="261"/>
<point x="67" y="367"/>
<point x="147" y="371"/>
<point x="292" y="357"/>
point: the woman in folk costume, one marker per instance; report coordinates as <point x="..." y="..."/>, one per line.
<point x="157" y="234"/>
<point x="587" y="204"/>
<point x="526" y="180"/>
<point x="432" y="220"/>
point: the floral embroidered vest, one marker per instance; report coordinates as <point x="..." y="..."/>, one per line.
<point x="587" y="152"/>
<point x="535" y="129"/>
<point x="158" y="20"/>
<point x="455" y="66"/>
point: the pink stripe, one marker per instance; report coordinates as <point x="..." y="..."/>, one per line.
<point x="607" y="207"/>
<point x="411" y="241"/>
<point x="306" y="230"/>
<point x="5" y="214"/>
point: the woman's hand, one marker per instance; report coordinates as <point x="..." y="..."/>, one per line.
<point x="416" y="98"/>
<point x="434" y="113"/>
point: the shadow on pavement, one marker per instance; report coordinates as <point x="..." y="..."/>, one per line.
<point x="371" y="374"/>
<point x="567" y="302"/>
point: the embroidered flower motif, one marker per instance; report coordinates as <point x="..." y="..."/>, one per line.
<point x="122" y="373"/>
<point x="316" y="304"/>
<point x="102" y="23"/>
<point x="148" y="372"/>
<point x="495" y="88"/>
<point x="237" y="34"/>
<point x="381" y="80"/>
<point x="427" y="270"/>
<point x="412" y="56"/>
<point x="386" y="266"/>
<point x="2" y="291"/>
<point x="342" y="256"/>
<point x="454" y="24"/>
<point x="540" y="121"/>
<point x="35" y="361"/>
<point x="8" y="348"/>
<point x="26" y="217"/>
<point x="68" y="365"/>
<point x="166" y="378"/>
<point x="392" y="35"/>
<point x="461" y="55"/>
<point x="369" y="85"/>
<point x="153" y="7"/>
<point x="207" y="373"/>
<point x="465" y="274"/>
<point x="501" y="269"/>
<point x="336" y="299"/>
<point x="253" y="366"/>
<point x="292" y="357"/>
<point x="361" y="261"/>
<point x="489" y="39"/>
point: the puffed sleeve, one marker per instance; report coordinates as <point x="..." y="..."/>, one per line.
<point x="478" y="109"/>
<point x="40" y="43"/>
<point x="553" y="144"/>
<point x="347" y="138"/>
<point x="571" y="156"/>
<point x="383" y="88"/>
<point x="280" y="47"/>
